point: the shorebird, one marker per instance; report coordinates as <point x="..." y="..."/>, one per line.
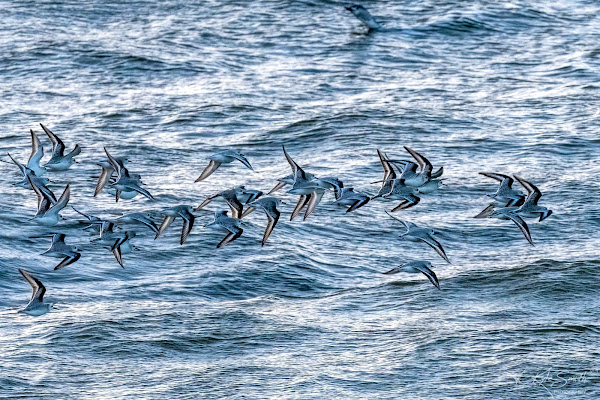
<point x="308" y="187"/>
<point x="246" y="196"/>
<point x="530" y="208"/>
<point x="118" y="242"/>
<point x="348" y="197"/>
<point x="48" y="208"/>
<point x="400" y="191"/>
<point x="415" y="233"/>
<point x="269" y="206"/>
<point x="363" y="15"/>
<point x="59" y="161"/>
<point x="183" y="211"/>
<point x="430" y="187"/>
<point x="507" y="213"/>
<point x="223" y="157"/>
<point x="126" y="182"/>
<point x="314" y="191"/>
<point x="107" y="174"/>
<point x="505" y="194"/>
<point x="415" y="178"/>
<point x="230" y="196"/>
<point x="58" y="248"/>
<point x="231" y="225"/>
<point x="26" y="171"/>
<point x="416" y="267"/>
<point x="36" y="305"/>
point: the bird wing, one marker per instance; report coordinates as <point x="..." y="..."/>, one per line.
<point x="210" y="168"/>
<point x="313" y="202"/>
<point x="434" y="244"/>
<point x="424" y="163"/>
<point x="188" y="224"/>
<point x="38" y="288"/>
<point x="429" y="274"/>
<point x="522" y="226"/>
<point x="273" y="217"/>
<point x="301" y="203"/>
<point x="164" y="225"/>
<point x="234" y="233"/>
<point x="533" y="193"/>
<point x="105" y="176"/>
<point x="58" y="147"/>
<point x="70" y="259"/>
<point x="296" y="170"/>
<point x="37" y="151"/>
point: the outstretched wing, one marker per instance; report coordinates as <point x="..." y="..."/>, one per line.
<point x="429" y="274"/>
<point x="498" y="177"/>
<point x="273" y="216"/>
<point x="522" y="226"/>
<point x="533" y="193"/>
<point x="299" y="206"/>
<point x="37" y="151"/>
<point x="38" y="288"/>
<point x="165" y="224"/>
<point x="424" y="163"/>
<point x="243" y="160"/>
<point x="434" y="244"/>
<point x="234" y="233"/>
<point x="296" y="170"/>
<point x="188" y="224"/>
<point x="210" y="168"/>
<point x="58" y="147"/>
<point x="68" y="261"/>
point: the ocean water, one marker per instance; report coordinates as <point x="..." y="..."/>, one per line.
<point x="499" y="86"/>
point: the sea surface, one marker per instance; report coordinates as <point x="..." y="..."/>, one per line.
<point x="498" y="86"/>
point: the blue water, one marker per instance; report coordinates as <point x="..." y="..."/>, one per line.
<point x="500" y="86"/>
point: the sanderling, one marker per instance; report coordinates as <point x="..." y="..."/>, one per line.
<point x="48" y="208"/>
<point x="58" y="248"/>
<point x="348" y="197"/>
<point x="183" y="211"/>
<point x="36" y="305"/>
<point x="400" y="191"/>
<point x="530" y="208"/>
<point x="230" y="196"/>
<point x="59" y="161"/>
<point x="118" y="242"/>
<point x="411" y="176"/>
<point x="269" y="206"/>
<point x="505" y="194"/>
<point x="40" y="181"/>
<point x="232" y="225"/>
<point x="416" y="267"/>
<point x="246" y="196"/>
<point x="125" y="182"/>
<point x="223" y="157"/>
<point x="507" y="213"/>
<point x="415" y="233"/>
<point x="314" y="190"/>
<point x="430" y="187"/>
<point x="94" y="223"/>
<point x="108" y="170"/>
